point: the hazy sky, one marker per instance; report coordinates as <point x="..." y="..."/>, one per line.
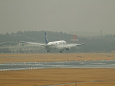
<point x="57" y="15"/>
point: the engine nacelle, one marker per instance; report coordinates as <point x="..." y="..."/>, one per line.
<point x="67" y="48"/>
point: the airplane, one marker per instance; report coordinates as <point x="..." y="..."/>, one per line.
<point x="60" y="45"/>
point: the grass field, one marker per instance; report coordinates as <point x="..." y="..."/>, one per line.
<point x="58" y="76"/>
<point x="105" y="76"/>
<point x="55" y="57"/>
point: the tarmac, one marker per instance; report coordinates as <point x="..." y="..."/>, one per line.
<point x="7" y="66"/>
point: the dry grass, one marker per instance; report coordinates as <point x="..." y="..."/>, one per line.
<point x="58" y="76"/>
<point x="55" y="57"/>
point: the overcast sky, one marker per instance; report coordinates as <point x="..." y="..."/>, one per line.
<point x="57" y="15"/>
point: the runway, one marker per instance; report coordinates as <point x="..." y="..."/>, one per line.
<point x="65" y="64"/>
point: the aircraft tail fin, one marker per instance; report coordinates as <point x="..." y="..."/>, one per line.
<point x="46" y="40"/>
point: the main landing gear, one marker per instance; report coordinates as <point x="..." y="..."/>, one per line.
<point x="48" y="51"/>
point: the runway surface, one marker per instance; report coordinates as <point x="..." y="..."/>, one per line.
<point x="65" y="64"/>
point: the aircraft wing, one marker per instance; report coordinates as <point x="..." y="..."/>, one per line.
<point x="68" y="46"/>
<point x="33" y="43"/>
<point x="72" y="45"/>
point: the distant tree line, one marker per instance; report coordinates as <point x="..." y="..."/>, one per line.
<point x="105" y="43"/>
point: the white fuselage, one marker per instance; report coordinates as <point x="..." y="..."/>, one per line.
<point x="62" y="42"/>
<point x="56" y="45"/>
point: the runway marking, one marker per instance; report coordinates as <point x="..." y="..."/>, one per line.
<point x="65" y="64"/>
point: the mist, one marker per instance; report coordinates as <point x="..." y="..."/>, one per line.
<point x="70" y="16"/>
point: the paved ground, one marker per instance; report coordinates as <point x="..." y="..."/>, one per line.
<point x="65" y="64"/>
